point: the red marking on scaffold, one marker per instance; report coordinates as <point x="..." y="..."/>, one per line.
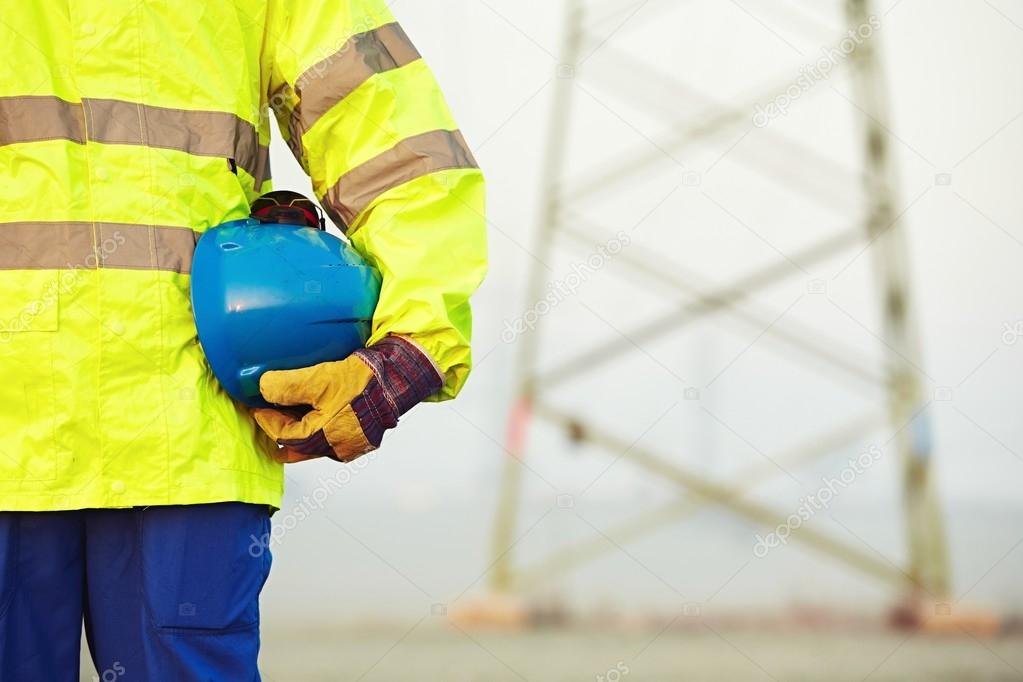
<point x="518" y="426"/>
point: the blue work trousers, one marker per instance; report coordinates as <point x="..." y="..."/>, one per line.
<point x="165" y="593"/>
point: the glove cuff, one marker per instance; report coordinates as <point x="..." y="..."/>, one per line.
<point x="403" y="376"/>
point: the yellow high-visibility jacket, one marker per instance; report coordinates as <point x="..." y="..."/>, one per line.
<point x="127" y="128"/>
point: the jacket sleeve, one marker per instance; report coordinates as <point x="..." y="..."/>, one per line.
<point x="366" y="119"/>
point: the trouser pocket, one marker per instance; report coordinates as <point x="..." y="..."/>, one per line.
<point x="198" y="572"/>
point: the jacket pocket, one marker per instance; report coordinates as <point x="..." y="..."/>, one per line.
<point x="29" y="317"/>
<point x="28" y="302"/>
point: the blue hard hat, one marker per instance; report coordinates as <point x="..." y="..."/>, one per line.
<point x="275" y="296"/>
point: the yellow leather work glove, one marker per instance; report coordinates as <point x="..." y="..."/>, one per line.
<point x="352" y="401"/>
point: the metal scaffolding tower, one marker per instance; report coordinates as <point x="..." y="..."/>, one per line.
<point x="926" y="576"/>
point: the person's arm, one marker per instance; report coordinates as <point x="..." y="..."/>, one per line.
<point x="366" y="119"/>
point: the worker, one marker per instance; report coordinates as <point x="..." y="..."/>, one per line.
<point x="131" y="485"/>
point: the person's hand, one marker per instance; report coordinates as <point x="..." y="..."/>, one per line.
<point x="352" y="401"/>
<point x="289" y="456"/>
<point x="285" y="455"/>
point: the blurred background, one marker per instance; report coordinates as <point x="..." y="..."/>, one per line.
<point x="747" y="392"/>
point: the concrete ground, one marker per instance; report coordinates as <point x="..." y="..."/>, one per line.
<point x="427" y="652"/>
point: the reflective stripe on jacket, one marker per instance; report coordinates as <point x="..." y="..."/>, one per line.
<point x="128" y="128"/>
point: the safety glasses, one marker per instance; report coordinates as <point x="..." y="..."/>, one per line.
<point x="288" y="208"/>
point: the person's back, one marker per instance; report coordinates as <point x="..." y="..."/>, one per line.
<point x="127" y="129"/>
